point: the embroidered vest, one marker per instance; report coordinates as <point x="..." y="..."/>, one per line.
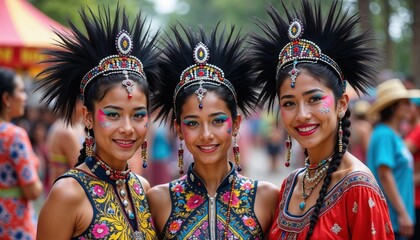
<point x="195" y="215"/>
<point x="109" y="218"/>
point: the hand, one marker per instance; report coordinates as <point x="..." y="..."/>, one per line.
<point x="406" y="226"/>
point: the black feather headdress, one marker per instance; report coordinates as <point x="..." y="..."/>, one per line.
<point x="335" y="35"/>
<point x="225" y="58"/>
<point x="78" y="54"/>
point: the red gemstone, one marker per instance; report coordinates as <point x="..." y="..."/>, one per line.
<point x="201" y="73"/>
<point x="287" y="164"/>
<point x="288" y="144"/>
<point x="296" y="49"/>
<point x="130" y="96"/>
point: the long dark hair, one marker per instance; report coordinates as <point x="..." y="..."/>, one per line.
<point x="79" y="53"/>
<point x="337" y="38"/>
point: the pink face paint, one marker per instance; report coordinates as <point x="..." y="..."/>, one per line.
<point x="229" y="124"/>
<point x="327" y="100"/>
<point x="101" y="115"/>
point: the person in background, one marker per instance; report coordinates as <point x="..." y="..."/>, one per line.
<point x="412" y="140"/>
<point x="360" y="130"/>
<point x="63" y="154"/>
<point x="109" y="66"/>
<point x="19" y="180"/>
<point x="389" y="158"/>
<point x="207" y="80"/>
<point x="304" y="61"/>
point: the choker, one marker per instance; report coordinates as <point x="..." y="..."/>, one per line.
<point x="105" y="172"/>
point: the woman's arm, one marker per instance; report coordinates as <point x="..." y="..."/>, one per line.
<point x="65" y="213"/>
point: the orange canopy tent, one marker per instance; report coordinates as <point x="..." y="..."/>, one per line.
<point x="24" y="33"/>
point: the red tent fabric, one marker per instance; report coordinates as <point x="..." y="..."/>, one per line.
<point x="24" y="33"/>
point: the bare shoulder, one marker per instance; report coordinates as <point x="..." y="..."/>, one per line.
<point x="62" y="213"/>
<point x="160" y="205"/>
<point x="267" y="189"/>
<point x="159" y="194"/>
<point x="351" y="164"/>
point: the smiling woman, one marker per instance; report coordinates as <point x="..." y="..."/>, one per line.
<point x="101" y="197"/>
<point x="305" y="61"/>
<point x="207" y="80"/>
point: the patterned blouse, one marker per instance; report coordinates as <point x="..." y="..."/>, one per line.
<point x="355" y="208"/>
<point x="18" y="168"/>
<point x="196" y="215"/>
<point x="110" y="221"/>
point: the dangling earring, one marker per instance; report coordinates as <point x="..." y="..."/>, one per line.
<point x="236" y="154"/>
<point x="144" y="153"/>
<point x="340" y="134"/>
<point x="181" y="158"/>
<point x="89" y="142"/>
<point x="289" y="150"/>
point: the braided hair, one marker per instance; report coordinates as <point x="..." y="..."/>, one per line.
<point x="337" y="38"/>
<point x="225" y="53"/>
<point x="78" y="53"/>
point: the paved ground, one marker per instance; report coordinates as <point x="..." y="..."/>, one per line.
<point x="259" y="167"/>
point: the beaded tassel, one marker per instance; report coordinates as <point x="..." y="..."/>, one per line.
<point x="289" y="150"/>
<point x="144" y="153"/>
<point x="89" y="142"/>
<point x="340" y="138"/>
<point x="236" y="154"/>
<point x="181" y="158"/>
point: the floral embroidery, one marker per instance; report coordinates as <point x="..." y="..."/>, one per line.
<point x="371" y="203"/>
<point x="109" y="219"/>
<point x="373" y="229"/>
<point x="387" y="228"/>
<point x="175" y="226"/>
<point x="235" y="200"/>
<point x="189" y="217"/>
<point x="355" y="207"/>
<point x="100" y="230"/>
<point x="178" y="187"/>
<point x="249" y="222"/>
<point x="193" y="201"/>
<point x="336" y="228"/>
<point x="247" y="185"/>
<point x="98" y="190"/>
<point x="137" y="189"/>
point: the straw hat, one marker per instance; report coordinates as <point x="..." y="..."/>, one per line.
<point x="389" y="92"/>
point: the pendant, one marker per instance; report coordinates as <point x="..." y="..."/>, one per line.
<point x="122" y="193"/>
<point x="302" y="205"/>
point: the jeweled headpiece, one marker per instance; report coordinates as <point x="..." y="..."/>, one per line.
<point x="202" y="72"/>
<point x="304" y="36"/>
<point x="195" y="63"/>
<point x="122" y="63"/>
<point x="301" y="50"/>
<point x="109" y="44"/>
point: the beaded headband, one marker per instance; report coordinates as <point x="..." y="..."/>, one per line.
<point x="302" y="50"/>
<point x="122" y="63"/>
<point x="202" y="72"/>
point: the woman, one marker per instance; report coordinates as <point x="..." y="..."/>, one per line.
<point x="207" y="79"/>
<point x="334" y="196"/>
<point x="101" y="198"/>
<point x="19" y="180"/>
<point x="389" y="158"/>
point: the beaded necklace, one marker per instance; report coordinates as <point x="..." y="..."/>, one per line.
<point x="320" y="172"/>
<point x="105" y="172"/>
<point x="319" y="168"/>
<point x="228" y="210"/>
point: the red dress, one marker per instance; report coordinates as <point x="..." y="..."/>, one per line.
<point x="18" y="165"/>
<point x="355" y="208"/>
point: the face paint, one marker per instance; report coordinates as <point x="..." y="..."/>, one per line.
<point x="327" y="100"/>
<point x="229" y="123"/>
<point x="102" y="114"/>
